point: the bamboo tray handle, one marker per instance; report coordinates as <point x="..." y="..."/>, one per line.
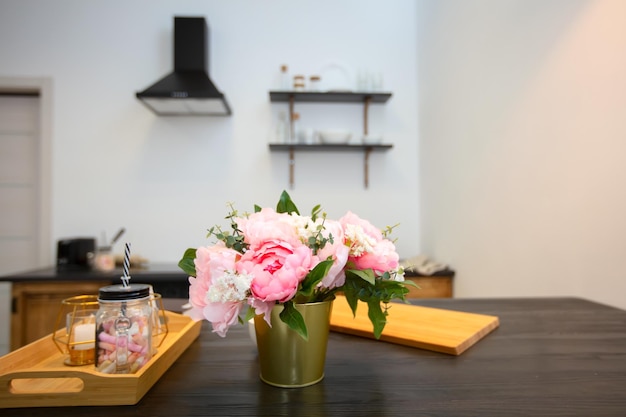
<point x="45" y="382"/>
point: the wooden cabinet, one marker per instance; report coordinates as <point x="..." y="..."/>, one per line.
<point x="431" y="286"/>
<point x="35" y="306"/>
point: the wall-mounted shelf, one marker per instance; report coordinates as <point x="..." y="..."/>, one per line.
<point x="364" y="97"/>
<point x="329" y="96"/>
<point x="329" y="147"/>
<point x="292" y="148"/>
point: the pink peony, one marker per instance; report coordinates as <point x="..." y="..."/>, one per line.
<point x="336" y="277"/>
<point x="368" y="247"/>
<point x="382" y="258"/>
<point x="277" y="268"/>
<point x="211" y="262"/>
<point x="263" y="308"/>
<point x="267" y="225"/>
<point x="222" y="315"/>
<point x="368" y="228"/>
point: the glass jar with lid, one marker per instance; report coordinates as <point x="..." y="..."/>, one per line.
<point x="123" y="328"/>
<point x="314" y="83"/>
<point x="298" y="83"/>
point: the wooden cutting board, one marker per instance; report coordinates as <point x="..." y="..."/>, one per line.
<point x="446" y="331"/>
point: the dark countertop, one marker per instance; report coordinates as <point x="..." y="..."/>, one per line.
<point x="156" y="272"/>
<point x="549" y="357"/>
<point x="167" y="279"/>
<point x="444" y="273"/>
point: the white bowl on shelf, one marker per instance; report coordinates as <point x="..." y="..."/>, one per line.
<point x="334" y="136"/>
<point x="372" y="139"/>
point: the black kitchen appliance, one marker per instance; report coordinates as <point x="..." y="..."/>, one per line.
<point x="188" y="90"/>
<point x="76" y="253"/>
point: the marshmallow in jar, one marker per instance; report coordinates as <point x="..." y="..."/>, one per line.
<point x="123" y="328"/>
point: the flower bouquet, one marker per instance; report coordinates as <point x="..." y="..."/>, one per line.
<point x="282" y="257"/>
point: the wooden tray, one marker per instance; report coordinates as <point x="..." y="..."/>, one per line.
<point x="446" y="331"/>
<point x="35" y="376"/>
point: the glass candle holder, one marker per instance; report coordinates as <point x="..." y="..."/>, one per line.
<point x="77" y="338"/>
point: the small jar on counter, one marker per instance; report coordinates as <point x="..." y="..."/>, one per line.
<point x="123" y="328"/>
<point x="104" y="259"/>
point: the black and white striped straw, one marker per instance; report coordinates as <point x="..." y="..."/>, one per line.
<point x="126" y="276"/>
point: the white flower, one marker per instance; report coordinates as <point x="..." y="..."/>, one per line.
<point x="361" y="242"/>
<point x="305" y="226"/>
<point x="229" y="287"/>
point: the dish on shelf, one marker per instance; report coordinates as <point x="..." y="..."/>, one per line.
<point x="336" y="77"/>
<point x="372" y="139"/>
<point x="335" y="136"/>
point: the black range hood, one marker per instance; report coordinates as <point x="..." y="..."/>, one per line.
<point x="188" y="90"/>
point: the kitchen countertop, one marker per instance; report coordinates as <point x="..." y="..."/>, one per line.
<point x="156" y="272"/>
<point x="549" y="357"/>
<point x="167" y="279"/>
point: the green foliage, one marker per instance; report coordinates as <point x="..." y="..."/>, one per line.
<point x="308" y="285"/>
<point x="285" y="205"/>
<point x="362" y="285"/>
<point x="250" y="313"/>
<point x="292" y="318"/>
<point x="315" y="242"/>
<point x="187" y="264"/>
<point x="315" y="211"/>
<point x="377" y="317"/>
<point x="232" y="239"/>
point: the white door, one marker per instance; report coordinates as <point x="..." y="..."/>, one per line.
<point x="20" y="186"/>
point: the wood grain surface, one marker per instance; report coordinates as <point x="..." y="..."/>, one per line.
<point x="437" y="329"/>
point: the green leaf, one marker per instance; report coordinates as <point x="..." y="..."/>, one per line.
<point x="187" y="264"/>
<point x="292" y="318"/>
<point x="314" y="277"/>
<point x="366" y="274"/>
<point x="315" y="211"/>
<point x="351" y="297"/>
<point x="250" y="313"/>
<point x="257" y="208"/>
<point x="377" y="317"/>
<point x="411" y="282"/>
<point x="386" y="290"/>
<point x="286" y="205"/>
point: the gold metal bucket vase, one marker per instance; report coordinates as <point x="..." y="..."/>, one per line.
<point x="286" y="360"/>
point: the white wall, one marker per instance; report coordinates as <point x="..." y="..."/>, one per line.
<point x="522" y="110"/>
<point x="519" y="112"/>
<point x="168" y="179"/>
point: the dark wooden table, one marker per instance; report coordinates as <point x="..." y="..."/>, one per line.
<point x="549" y="357"/>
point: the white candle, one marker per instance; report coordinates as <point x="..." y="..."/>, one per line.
<point x="84" y="333"/>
